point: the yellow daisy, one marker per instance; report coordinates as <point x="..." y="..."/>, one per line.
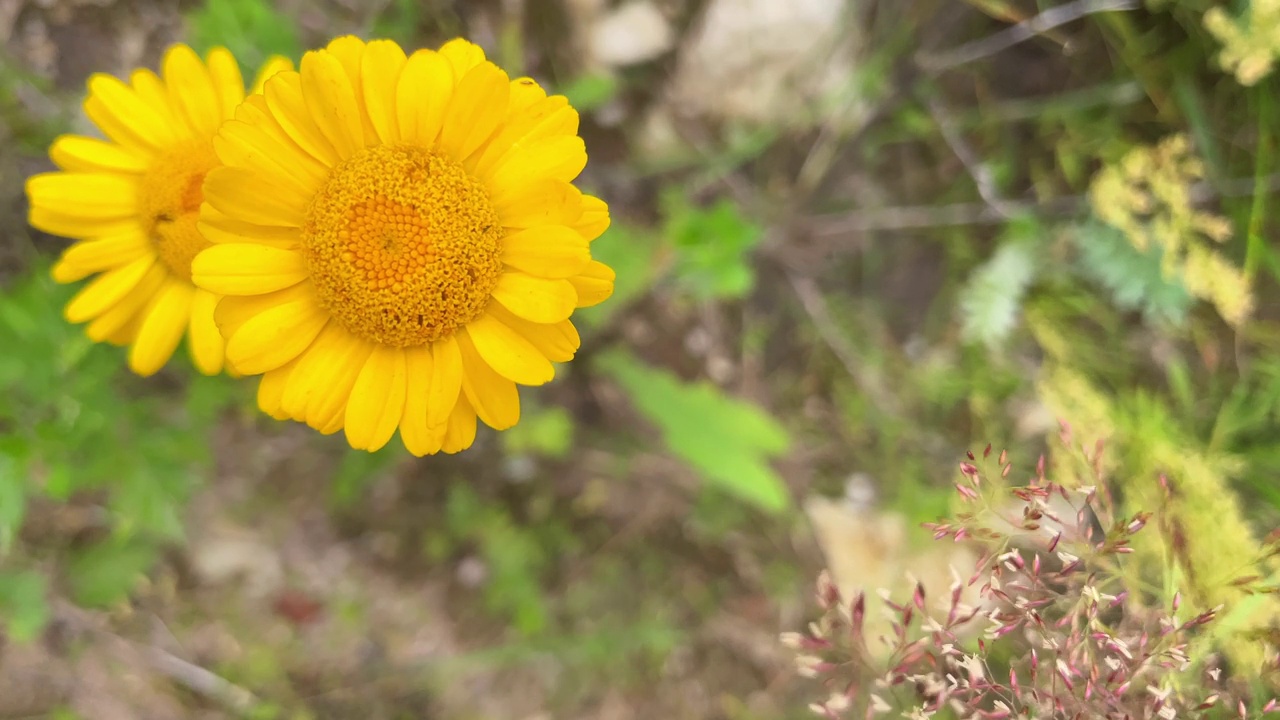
<point x="132" y="202"/>
<point x="399" y="242"/>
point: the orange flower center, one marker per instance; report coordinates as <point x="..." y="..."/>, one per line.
<point x="169" y="197"/>
<point x="402" y="245"/>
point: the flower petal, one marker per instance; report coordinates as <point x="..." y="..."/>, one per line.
<point x="125" y="118"/>
<point x="274" y="337"/>
<point x="547" y="118"/>
<point x="78" y="226"/>
<point x="545" y="202"/>
<point x="241" y="144"/>
<point x="218" y="227"/>
<point x="463" y="55"/>
<point x="191" y="90"/>
<point x="460" y="432"/>
<point x="86" y="195"/>
<point x="106" y="290"/>
<point x="90" y="256"/>
<point x="508" y="352"/>
<point x="377" y="400"/>
<point x="478" y="105"/>
<point x="233" y="312"/>
<point x="283" y="94"/>
<point x="270" y="67"/>
<point x="525" y="91"/>
<point x="549" y="251"/>
<point x="556" y="158"/>
<point x="559" y="342"/>
<point x="122" y="319"/>
<point x="350" y="51"/>
<point x="162" y="329"/>
<point x="495" y="398"/>
<point x="380" y="70"/>
<point x="446" y="380"/>
<point x="594" y="285"/>
<point x="595" y="218"/>
<point x="250" y="196"/>
<point x="331" y="100"/>
<point x="422" y="95"/>
<point x="418" y="437"/>
<point x="271" y="390"/>
<point x="77" y="153"/>
<point x="326" y="373"/>
<point x="152" y="91"/>
<point x="278" y="143"/>
<point x="247" y="269"/>
<point x="228" y="83"/>
<point x="203" y="339"/>
<point x="537" y="299"/>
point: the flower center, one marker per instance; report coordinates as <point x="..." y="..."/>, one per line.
<point x="402" y="245"/>
<point x="169" y="196"/>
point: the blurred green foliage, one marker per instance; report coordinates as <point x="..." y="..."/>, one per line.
<point x="252" y="30"/>
<point x="728" y="441"/>
<point x="1033" y="321"/>
<point x="76" y="432"/>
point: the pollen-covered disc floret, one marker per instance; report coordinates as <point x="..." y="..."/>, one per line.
<point x="402" y="245"/>
<point x="132" y="203"/>
<point x="400" y="242"/>
<point x="169" y="198"/>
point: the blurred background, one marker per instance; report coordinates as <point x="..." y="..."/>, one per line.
<point x="853" y="239"/>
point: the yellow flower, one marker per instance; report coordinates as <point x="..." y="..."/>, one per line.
<point x="399" y="242"/>
<point x="132" y="202"/>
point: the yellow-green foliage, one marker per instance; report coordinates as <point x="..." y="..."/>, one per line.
<point x="1203" y="540"/>
<point x="1249" y="42"/>
<point x="1147" y="195"/>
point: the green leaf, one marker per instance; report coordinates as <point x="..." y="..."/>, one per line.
<point x="545" y="431"/>
<point x="635" y="255"/>
<point x="13" y="499"/>
<point x="251" y="29"/>
<point x="146" y="504"/>
<point x="728" y="441"/>
<point x="992" y="298"/>
<point x="106" y="573"/>
<point x="359" y="469"/>
<point x="589" y="92"/>
<point x="713" y="246"/>
<point x="1133" y="277"/>
<point x="22" y="604"/>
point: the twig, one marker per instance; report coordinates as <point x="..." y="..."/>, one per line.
<point x="977" y="169"/>
<point x="816" y="307"/>
<point x="1023" y="31"/>
<point x="193" y="677"/>
<point x="917" y="217"/>
<point x="200" y="680"/>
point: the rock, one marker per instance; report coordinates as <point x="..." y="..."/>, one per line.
<point x="228" y="554"/>
<point x="633" y="33"/>
<point x="869" y="550"/>
<point x="765" y="60"/>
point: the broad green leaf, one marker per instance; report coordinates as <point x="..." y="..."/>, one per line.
<point x="729" y="441"/>
<point x="713" y="246"/>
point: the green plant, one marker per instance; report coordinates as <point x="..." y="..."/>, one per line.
<point x="75" y="429"/>
<point x="728" y="441"/>
<point x="251" y="29"/>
